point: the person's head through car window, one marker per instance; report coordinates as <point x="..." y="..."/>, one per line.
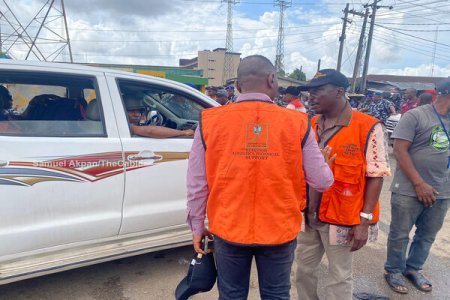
<point x="5" y="102"/>
<point x="136" y="110"/>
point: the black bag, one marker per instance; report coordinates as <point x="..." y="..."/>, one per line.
<point x="201" y="275"/>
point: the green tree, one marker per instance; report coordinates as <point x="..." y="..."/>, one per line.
<point x="297" y="75"/>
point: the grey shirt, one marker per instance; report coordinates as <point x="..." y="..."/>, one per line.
<point x="429" y="151"/>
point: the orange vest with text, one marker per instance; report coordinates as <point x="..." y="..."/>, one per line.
<point x="344" y="200"/>
<point x="254" y="169"/>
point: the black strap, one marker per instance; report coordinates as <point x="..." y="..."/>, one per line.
<point x="200" y="127"/>
<point x="305" y="138"/>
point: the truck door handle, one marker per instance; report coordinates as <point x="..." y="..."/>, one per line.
<point x="143" y="155"/>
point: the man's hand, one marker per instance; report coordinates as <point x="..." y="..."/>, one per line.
<point x="197" y="241"/>
<point x="426" y="193"/>
<point x="326" y="152"/>
<point x="188" y="132"/>
<point x="359" y="234"/>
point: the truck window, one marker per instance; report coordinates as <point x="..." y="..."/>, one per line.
<point x="159" y="105"/>
<point x="49" y="105"/>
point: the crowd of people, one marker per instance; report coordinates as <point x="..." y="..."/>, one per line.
<point x="380" y="104"/>
<point x="222" y="94"/>
<point x="261" y="173"/>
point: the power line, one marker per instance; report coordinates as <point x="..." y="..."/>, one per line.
<point x="413" y="24"/>
<point x="271" y="3"/>
<point x="422" y="30"/>
<point x="423" y="39"/>
<point x="194" y="31"/>
<point x="188" y="40"/>
<point x="427" y="48"/>
<point x="410" y="49"/>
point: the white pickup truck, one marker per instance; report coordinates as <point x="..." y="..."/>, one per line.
<point x="76" y="186"/>
<point x="391" y="123"/>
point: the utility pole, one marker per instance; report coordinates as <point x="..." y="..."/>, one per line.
<point x="360" y="47"/>
<point x="434" y="50"/>
<point x="369" y="40"/>
<point x="342" y="37"/>
<point x="318" y="65"/>
<point x="279" y="58"/>
<point x="228" y="64"/>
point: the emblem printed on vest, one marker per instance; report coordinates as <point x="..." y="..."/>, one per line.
<point x="257" y="136"/>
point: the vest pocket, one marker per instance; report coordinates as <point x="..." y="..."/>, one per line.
<point x="342" y="203"/>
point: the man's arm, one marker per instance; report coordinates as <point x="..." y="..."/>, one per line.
<point x="317" y="172"/>
<point x="359" y="233"/>
<point x="425" y="192"/>
<point x="377" y="167"/>
<point x="404" y="135"/>
<point x="197" y="192"/>
<point x="159" y="132"/>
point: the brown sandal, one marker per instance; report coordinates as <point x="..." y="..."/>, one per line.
<point x="419" y="280"/>
<point x="396" y="282"/>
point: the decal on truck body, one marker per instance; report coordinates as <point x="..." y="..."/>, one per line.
<point x="84" y="168"/>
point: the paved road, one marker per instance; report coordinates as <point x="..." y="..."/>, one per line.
<point x="155" y="275"/>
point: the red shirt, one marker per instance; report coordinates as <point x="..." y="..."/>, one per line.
<point x="408" y="105"/>
<point x="297" y="103"/>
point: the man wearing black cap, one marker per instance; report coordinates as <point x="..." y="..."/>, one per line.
<point x="339" y="220"/>
<point x="420" y="189"/>
<point x="290" y="97"/>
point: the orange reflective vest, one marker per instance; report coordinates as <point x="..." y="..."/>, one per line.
<point x="344" y="200"/>
<point x="254" y="170"/>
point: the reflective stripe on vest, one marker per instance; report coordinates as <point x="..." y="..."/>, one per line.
<point x="344" y="200"/>
<point x="254" y="170"/>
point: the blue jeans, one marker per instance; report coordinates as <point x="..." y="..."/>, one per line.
<point x="272" y="262"/>
<point x="408" y="211"/>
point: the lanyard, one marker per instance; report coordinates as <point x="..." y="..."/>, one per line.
<point x="442" y="123"/>
<point x="445" y="130"/>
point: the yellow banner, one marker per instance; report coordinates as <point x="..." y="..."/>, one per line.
<point x="160" y="74"/>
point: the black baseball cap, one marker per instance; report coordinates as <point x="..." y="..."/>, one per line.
<point x="443" y="87"/>
<point x="293" y="90"/>
<point x="327" y="76"/>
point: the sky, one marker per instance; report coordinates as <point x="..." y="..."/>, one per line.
<point x="412" y="38"/>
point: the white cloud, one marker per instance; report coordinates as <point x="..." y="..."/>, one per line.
<point x="160" y="32"/>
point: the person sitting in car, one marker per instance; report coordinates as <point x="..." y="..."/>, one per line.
<point x="137" y="115"/>
<point x="5" y="103"/>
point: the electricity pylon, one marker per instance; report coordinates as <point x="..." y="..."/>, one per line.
<point x="279" y="58"/>
<point x="39" y="39"/>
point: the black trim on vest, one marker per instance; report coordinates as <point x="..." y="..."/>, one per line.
<point x="201" y="131"/>
<point x="308" y="130"/>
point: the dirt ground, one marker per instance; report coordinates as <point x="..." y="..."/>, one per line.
<point x="155" y="275"/>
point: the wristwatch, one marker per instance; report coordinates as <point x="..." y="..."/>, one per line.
<point x="366" y="216"/>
